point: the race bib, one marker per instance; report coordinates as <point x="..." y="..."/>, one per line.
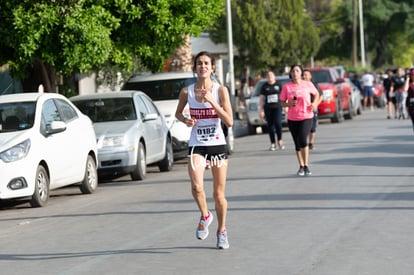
<point x="207" y="133"/>
<point x="273" y="98"/>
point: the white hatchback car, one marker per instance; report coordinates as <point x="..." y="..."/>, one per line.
<point x="45" y="143"/>
<point x="130" y="132"/>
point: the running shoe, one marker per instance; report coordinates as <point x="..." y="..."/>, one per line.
<point x="222" y="241"/>
<point x="301" y="172"/>
<point x="202" y="228"/>
<point x="272" y="147"/>
<point x="307" y="171"/>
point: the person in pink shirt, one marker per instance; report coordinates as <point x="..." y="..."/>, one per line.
<point x="296" y="95"/>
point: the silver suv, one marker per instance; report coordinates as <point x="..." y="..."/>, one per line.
<point x="163" y="89"/>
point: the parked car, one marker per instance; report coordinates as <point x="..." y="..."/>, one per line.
<point x="341" y="71"/>
<point x="337" y="101"/>
<point x="356" y="98"/>
<point x="131" y="132"/>
<point x="253" y="112"/>
<point x="380" y="99"/>
<point x="45" y="143"/>
<point x="164" y="88"/>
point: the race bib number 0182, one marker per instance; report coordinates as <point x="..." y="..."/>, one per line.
<point x="206" y="133"/>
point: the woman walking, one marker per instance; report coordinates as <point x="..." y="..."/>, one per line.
<point x="271" y="109"/>
<point x="209" y="106"/>
<point x="296" y="95"/>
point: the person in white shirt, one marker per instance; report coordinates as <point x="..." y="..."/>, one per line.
<point x="367" y="81"/>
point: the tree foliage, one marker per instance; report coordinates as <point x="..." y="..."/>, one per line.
<point x="67" y="36"/>
<point x="388" y="29"/>
<point x="270" y="33"/>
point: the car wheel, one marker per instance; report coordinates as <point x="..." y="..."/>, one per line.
<point x="251" y="129"/>
<point x="140" y="170"/>
<point x="339" y="115"/>
<point x="41" y="190"/>
<point x="381" y="102"/>
<point x="230" y="141"/>
<point x="359" y="111"/>
<point x="90" y="181"/>
<point x="351" y="109"/>
<point x="166" y="163"/>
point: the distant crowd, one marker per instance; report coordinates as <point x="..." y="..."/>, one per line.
<point x="393" y="82"/>
<point x="397" y="84"/>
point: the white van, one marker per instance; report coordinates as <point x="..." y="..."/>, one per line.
<point x="164" y="89"/>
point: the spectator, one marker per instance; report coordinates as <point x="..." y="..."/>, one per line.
<point x="409" y="87"/>
<point x="397" y="88"/>
<point x="367" y="80"/>
<point x="355" y="80"/>
<point x="258" y="78"/>
<point x="391" y="102"/>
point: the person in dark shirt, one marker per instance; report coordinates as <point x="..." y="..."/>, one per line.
<point x="307" y="75"/>
<point x="271" y="109"/>
<point x="391" y="102"/>
<point x="397" y="88"/>
<point x="409" y="87"/>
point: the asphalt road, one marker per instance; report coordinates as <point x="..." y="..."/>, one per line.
<point x="354" y="215"/>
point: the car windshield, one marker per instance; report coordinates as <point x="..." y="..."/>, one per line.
<point x="108" y="109"/>
<point x="160" y="89"/>
<point x="16" y="116"/>
<point x="321" y="77"/>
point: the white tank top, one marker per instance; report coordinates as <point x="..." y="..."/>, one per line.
<point x="207" y="131"/>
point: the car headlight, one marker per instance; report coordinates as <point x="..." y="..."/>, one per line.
<point x="327" y="94"/>
<point x="112" y="141"/>
<point x="17" y="152"/>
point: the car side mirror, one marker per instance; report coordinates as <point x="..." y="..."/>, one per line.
<point x="340" y="80"/>
<point x="56" y="127"/>
<point x="152" y="116"/>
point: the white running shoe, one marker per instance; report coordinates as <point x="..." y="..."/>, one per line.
<point x="202" y="228"/>
<point x="222" y="240"/>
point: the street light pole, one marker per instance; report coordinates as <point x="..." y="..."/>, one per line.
<point x="230" y="47"/>
<point x="361" y="32"/>
<point x="354" y="33"/>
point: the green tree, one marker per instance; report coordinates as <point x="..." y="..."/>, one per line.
<point x="270" y="33"/>
<point x="44" y="37"/>
<point x="388" y="28"/>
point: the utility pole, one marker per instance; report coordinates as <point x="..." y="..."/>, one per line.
<point x="361" y="32"/>
<point x="354" y="33"/>
<point x="230" y="49"/>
